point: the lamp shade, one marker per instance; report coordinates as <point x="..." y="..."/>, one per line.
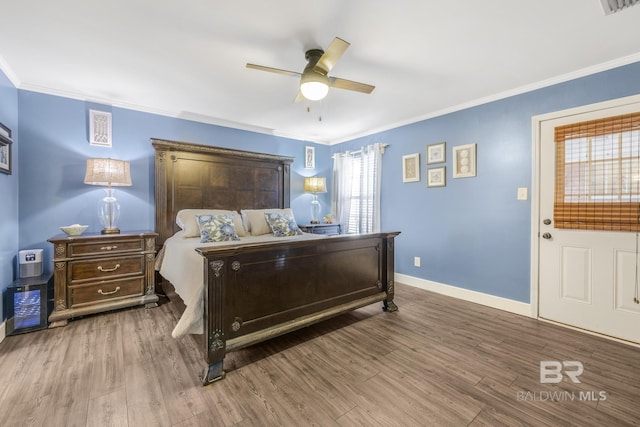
<point x="315" y="184"/>
<point x="108" y="172"/>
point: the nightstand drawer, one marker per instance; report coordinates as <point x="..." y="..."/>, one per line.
<point x="106" y="247"/>
<point x="105" y="268"/>
<point x="326" y="230"/>
<point x="114" y="289"/>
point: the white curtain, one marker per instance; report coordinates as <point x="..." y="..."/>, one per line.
<point x="356" y="189"/>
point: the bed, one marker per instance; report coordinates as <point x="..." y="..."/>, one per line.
<point x="260" y="286"/>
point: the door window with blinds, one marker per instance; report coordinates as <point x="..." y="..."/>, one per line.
<point x="598" y="174"/>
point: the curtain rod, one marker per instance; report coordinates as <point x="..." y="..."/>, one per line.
<point x="348" y="152"/>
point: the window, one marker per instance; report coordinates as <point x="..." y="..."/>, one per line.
<point x="356" y="195"/>
<point x="598" y="174"/>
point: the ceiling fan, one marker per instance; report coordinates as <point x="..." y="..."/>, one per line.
<point x="314" y="80"/>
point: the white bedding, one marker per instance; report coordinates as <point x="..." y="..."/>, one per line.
<point x="181" y="265"/>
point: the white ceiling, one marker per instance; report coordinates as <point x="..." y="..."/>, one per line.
<point x="425" y="57"/>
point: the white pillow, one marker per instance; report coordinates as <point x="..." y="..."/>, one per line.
<point x="186" y="219"/>
<point x="257" y="222"/>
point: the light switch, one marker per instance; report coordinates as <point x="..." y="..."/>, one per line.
<point x="523" y="193"/>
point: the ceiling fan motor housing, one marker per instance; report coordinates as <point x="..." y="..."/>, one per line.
<point x="312" y="56"/>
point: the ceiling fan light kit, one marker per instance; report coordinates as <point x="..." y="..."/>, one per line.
<point x="314" y="86"/>
<point x="314" y="80"/>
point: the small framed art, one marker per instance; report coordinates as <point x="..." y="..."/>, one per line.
<point x="411" y="167"/>
<point x="436" y="153"/>
<point x="437" y="177"/>
<point x="5" y="149"/>
<point x="100" y="128"/>
<point x="464" y="161"/>
<point x="309" y="157"/>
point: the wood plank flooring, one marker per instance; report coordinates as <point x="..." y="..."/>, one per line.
<point x="437" y="361"/>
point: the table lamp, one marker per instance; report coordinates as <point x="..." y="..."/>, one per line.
<point x="315" y="185"/>
<point x="110" y="173"/>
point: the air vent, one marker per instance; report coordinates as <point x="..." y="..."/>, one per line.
<point x="613" y="6"/>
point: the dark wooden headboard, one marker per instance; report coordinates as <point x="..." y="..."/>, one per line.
<point x="194" y="176"/>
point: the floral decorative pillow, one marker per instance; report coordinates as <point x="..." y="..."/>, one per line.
<point x="282" y="225"/>
<point x="216" y="228"/>
<point x="186" y="219"/>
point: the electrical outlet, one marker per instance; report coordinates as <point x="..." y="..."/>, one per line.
<point x="416" y="261"/>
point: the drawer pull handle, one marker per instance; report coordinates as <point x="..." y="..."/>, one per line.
<point x="109" y="293"/>
<point x="106" y="270"/>
<point x="108" y="248"/>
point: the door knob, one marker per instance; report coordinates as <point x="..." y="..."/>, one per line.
<point x="546" y="236"/>
<point x="547" y="221"/>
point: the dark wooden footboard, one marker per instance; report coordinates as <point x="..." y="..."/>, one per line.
<point x="260" y="291"/>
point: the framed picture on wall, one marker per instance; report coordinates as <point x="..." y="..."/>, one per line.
<point x="436" y="153"/>
<point x="309" y="157"/>
<point x="411" y="167"/>
<point x="100" y="128"/>
<point x="437" y="177"/>
<point x="5" y="149"/>
<point x="464" y="161"/>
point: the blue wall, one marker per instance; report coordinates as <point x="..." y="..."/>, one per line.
<point x="8" y="188"/>
<point x="473" y="233"/>
<point x="54" y="148"/>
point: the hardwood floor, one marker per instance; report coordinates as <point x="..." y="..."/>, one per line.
<point x="437" y="361"/>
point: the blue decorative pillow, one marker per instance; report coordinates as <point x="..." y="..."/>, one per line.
<point x="282" y="225"/>
<point x="216" y="228"/>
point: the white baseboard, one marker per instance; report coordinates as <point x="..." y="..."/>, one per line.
<point x="493" y="301"/>
<point x="3" y="331"/>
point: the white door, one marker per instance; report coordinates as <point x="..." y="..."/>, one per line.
<point x="587" y="279"/>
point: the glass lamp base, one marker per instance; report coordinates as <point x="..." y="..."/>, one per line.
<point x="109" y="211"/>
<point x="315" y="210"/>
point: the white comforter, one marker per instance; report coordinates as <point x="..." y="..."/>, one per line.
<point x="181" y="265"/>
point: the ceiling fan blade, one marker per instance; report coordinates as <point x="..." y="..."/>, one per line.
<point x="350" y="85"/>
<point x="299" y="98"/>
<point x="273" y="70"/>
<point x="331" y="55"/>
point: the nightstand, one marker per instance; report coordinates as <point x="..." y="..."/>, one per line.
<point x="95" y="273"/>
<point x="328" y="229"/>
